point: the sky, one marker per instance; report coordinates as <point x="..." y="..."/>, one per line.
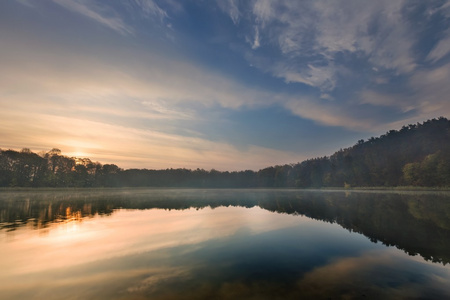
<point x="223" y="84"/>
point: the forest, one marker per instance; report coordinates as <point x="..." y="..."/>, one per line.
<point x="416" y="155"/>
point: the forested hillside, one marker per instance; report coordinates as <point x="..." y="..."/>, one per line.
<point x="416" y="155"/>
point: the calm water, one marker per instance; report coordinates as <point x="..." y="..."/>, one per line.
<point x="223" y="244"/>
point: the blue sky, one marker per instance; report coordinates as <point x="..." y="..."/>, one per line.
<point x="223" y="84"/>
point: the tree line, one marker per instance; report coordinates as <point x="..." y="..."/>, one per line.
<point x="416" y="155"/>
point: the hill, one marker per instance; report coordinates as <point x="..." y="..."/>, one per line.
<point x="416" y="155"/>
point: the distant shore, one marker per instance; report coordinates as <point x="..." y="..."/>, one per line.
<point x="370" y="188"/>
<point x="390" y="188"/>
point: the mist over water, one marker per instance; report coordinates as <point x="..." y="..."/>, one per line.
<point x="223" y="244"/>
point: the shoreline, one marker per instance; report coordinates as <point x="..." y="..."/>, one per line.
<point x="377" y="188"/>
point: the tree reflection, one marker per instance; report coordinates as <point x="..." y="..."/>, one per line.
<point x="416" y="223"/>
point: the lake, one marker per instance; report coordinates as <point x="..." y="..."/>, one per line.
<point x="224" y="244"/>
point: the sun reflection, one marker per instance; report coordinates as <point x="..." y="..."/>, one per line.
<point x="73" y="215"/>
<point x="70" y="216"/>
<point x="69" y="223"/>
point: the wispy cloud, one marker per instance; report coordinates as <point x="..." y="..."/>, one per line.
<point x="360" y="66"/>
<point x="131" y="147"/>
<point x="330" y="115"/>
<point x="319" y="33"/>
<point x="441" y="49"/>
<point x="122" y="114"/>
<point x="328" y="45"/>
<point x="264" y="11"/>
<point x="151" y="9"/>
<point x="256" y="41"/>
<point x="427" y="96"/>
<point x="321" y="76"/>
<point x="231" y="8"/>
<point x="98" y="14"/>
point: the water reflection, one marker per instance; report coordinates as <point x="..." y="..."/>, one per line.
<point x="418" y="223"/>
<point x="223" y="244"/>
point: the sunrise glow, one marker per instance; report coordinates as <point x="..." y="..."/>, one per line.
<point x="230" y="85"/>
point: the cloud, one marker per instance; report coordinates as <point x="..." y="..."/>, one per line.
<point x="392" y="100"/>
<point x="231" y="8"/>
<point x="427" y="97"/>
<point x="369" y="275"/>
<point x="323" y="76"/>
<point x="151" y="9"/>
<point x="97" y="13"/>
<point x="329" y="114"/>
<point x="129" y="147"/>
<point x="125" y="107"/>
<point x="95" y="105"/>
<point x="342" y="64"/>
<point x="441" y="49"/>
<point x="256" y="40"/>
<point x="141" y="76"/>
<point x="380" y="30"/>
<point x="263" y="11"/>
<point x="312" y="36"/>
<point x="363" y="55"/>
<point x="431" y="90"/>
<point x="143" y="99"/>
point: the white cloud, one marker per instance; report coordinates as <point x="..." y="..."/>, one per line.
<point x="111" y="86"/>
<point x="323" y="77"/>
<point x="150" y="86"/>
<point x="94" y="12"/>
<point x="140" y="76"/>
<point x="397" y="101"/>
<point x="231" y="8"/>
<point x="441" y="49"/>
<point x="427" y="96"/>
<point x="431" y="90"/>
<point x="256" y="42"/>
<point x="311" y="34"/>
<point x="330" y="115"/>
<point x="151" y="9"/>
<point x="116" y="110"/>
<point x="263" y="11"/>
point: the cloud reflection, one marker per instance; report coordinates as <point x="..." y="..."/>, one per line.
<point x="220" y="253"/>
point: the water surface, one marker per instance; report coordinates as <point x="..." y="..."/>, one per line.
<point x="223" y="244"/>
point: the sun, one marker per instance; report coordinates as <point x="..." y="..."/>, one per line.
<point x="78" y="154"/>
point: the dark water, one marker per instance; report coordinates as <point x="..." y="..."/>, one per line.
<point x="224" y="244"/>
